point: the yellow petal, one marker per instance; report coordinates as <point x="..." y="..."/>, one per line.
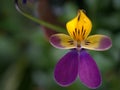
<point x="62" y="41"/>
<point x="97" y="42"/>
<point x="79" y="27"/>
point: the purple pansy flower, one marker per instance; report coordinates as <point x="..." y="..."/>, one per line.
<point x="78" y="62"/>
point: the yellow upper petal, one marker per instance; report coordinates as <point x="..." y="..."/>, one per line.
<point x="79" y="27"/>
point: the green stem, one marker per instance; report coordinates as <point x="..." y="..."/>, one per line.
<point x="43" y="23"/>
<point x="39" y="21"/>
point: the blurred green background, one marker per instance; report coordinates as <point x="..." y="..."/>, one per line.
<point x="27" y="60"/>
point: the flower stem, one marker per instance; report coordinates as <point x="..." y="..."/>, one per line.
<point x="39" y="21"/>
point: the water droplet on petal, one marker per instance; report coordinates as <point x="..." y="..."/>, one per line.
<point x="85" y="20"/>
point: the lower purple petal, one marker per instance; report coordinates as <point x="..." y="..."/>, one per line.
<point x="66" y="69"/>
<point x="88" y="71"/>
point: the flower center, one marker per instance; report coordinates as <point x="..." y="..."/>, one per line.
<point x="79" y="35"/>
<point x="77" y="44"/>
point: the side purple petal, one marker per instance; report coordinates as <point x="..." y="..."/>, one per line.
<point x="97" y="42"/>
<point x="105" y="43"/>
<point x="62" y="41"/>
<point x="66" y="69"/>
<point x="88" y="71"/>
<point x="55" y="40"/>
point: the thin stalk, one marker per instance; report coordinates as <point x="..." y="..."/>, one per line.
<point x="39" y="21"/>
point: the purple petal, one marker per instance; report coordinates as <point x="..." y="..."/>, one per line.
<point x="88" y="71"/>
<point x="66" y="69"/>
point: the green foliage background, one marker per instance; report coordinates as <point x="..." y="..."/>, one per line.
<point x="27" y="60"/>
